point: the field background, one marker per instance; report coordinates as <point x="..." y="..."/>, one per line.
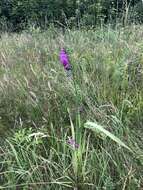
<point x="40" y="109"/>
<point x="77" y="131"/>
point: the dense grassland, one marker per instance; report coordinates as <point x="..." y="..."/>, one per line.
<point x="101" y="108"/>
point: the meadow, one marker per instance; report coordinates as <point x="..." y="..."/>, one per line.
<point x="79" y="133"/>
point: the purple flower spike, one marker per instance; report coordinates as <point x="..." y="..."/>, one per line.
<point x="64" y="59"/>
<point x="72" y="142"/>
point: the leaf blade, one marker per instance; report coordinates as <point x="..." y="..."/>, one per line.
<point x="96" y="127"/>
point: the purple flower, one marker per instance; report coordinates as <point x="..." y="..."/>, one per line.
<point x="64" y="59"/>
<point x="72" y="142"/>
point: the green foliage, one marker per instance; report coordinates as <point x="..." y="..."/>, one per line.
<point x="139" y="12"/>
<point x="98" y="128"/>
<point x="64" y="13"/>
<point x="41" y="109"/>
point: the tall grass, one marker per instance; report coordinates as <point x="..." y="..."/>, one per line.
<point x="40" y="109"/>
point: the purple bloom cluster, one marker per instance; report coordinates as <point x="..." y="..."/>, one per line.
<point x="64" y="59"/>
<point x="72" y="142"/>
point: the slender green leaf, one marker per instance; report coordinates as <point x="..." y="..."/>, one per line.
<point x="96" y="127"/>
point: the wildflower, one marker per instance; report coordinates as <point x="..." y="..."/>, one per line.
<point x="64" y="59"/>
<point x="72" y="142"/>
